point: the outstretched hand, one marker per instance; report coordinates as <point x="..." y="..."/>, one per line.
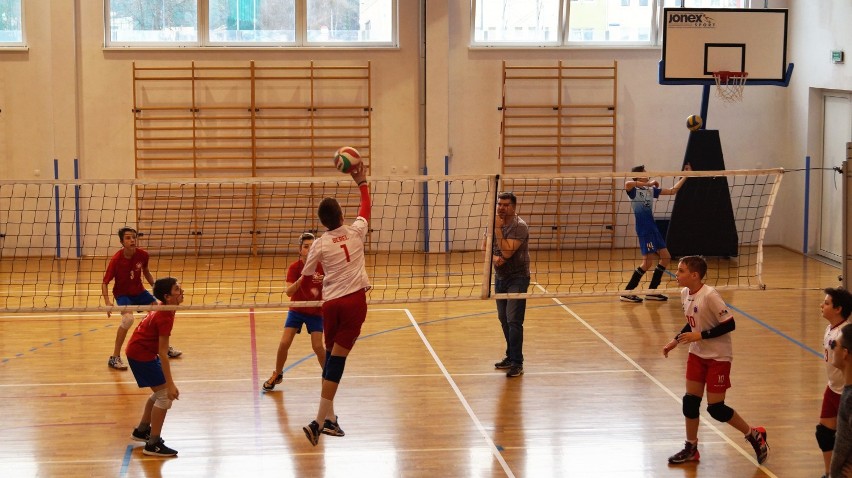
<point x="359" y="173"/>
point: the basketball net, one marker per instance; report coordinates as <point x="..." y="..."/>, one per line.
<point x="730" y="85"/>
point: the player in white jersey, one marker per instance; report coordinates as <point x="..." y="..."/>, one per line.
<point x="707" y="331"/>
<point x="835" y="308"/>
<point x="345" y="285"/>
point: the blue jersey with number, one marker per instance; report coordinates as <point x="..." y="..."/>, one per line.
<point x="642" y="202"/>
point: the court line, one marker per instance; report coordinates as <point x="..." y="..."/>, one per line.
<point x="659" y="384"/>
<point x="774" y="330"/>
<point x="125" y="462"/>
<point x="494" y="450"/>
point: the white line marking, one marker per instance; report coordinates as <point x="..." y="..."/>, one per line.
<point x="491" y="445"/>
<point x="650" y="377"/>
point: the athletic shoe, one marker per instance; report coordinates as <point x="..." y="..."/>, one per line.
<point x="312" y="431"/>
<point x="332" y="428"/>
<point x="158" y="449"/>
<point x="659" y="297"/>
<point x="689" y="453"/>
<point x="117" y="363"/>
<point x="631" y="298"/>
<point x="505" y="363"/>
<point x="515" y="371"/>
<point x="136" y="435"/>
<point x="173" y="352"/>
<point x="757" y="438"/>
<point x="274" y="380"/>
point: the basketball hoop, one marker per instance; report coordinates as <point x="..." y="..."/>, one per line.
<point x="730" y="85"/>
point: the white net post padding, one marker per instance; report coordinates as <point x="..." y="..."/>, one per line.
<point x="230" y="242"/>
<point x="730" y="85"/>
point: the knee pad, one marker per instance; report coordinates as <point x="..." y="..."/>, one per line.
<point x="162" y="399"/>
<point x="126" y="320"/>
<point x="720" y="411"/>
<point x="691" y="406"/>
<point x="825" y="437"/>
<point x="333" y="370"/>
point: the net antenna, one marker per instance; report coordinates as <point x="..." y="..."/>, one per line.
<point x="730" y="85"/>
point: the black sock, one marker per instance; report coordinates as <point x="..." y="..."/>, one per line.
<point x="634" y="281"/>
<point x="658" y="276"/>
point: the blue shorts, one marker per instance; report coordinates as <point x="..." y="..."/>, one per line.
<point x="651" y="242"/>
<point x="147" y="374"/>
<point x="295" y="320"/>
<point x="145" y="298"/>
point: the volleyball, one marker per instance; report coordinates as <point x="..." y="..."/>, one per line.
<point x="346" y="159"/>
<point x="694" y="122"/>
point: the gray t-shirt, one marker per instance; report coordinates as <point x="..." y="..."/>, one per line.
<point x="519" y="264"/>
<point x="843" y="440"/>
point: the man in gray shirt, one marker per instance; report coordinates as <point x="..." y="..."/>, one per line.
<point x="511" y="258"/>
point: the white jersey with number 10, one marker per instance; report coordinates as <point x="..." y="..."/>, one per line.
<point x="705" y="310"/>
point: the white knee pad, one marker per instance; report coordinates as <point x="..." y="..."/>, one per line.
<point x="162" y="399"/>
<point x="126" y="320"/>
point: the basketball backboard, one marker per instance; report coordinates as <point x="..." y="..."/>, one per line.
<point x="697" y="42"/>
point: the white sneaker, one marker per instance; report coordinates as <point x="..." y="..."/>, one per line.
<point x="173" y="352"/>
<point x="117" y="363"/>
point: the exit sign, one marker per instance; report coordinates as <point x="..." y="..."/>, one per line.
<point x="837" y="56"/>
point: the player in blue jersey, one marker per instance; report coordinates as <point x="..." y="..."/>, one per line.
<point x="642" y="191"/>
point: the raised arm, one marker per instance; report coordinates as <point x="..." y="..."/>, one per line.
<point x="360" y="177"/>
<point x="674" y="189"/>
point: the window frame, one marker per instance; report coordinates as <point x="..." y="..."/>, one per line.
<point x="300" y="42"/>
<point x="21" y="45"/>
<point x="564" y="31"/>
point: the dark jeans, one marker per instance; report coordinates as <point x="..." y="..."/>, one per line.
<point x="511" y="314"/>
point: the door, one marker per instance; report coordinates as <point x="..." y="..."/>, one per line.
<point x="837" y="131"/>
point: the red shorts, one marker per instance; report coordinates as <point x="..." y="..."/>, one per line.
<point x="830" y="403"/>
<point x="342" y="319"/>
<point x="715" y="373"/>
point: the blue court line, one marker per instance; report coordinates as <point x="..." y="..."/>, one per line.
<point x="5" y="360"/>
<point x="773" y="329"/>
<point x="125" y="463"/>
<point x="427" y="322"/>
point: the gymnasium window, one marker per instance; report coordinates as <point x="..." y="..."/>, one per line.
<point x="573" y="23"/>
<point x="251" y="23"/>
<point x="11" y="24"/>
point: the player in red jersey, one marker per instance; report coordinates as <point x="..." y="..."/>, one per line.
<point x="708" y="332"/>
<point x="149" y="342"/>
<point x="310" y="317"/>
<point x="345" y="285"/>
<point x="127" y="267"/>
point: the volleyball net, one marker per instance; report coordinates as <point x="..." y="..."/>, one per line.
<point x="230" y="242"/>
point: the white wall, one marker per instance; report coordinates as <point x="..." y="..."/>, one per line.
<point x="816" y="29"/>
<point x="67" y="97"/>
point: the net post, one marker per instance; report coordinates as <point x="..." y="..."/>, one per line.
<point x="56" y="208"/>
<point x="847" y="223"/>
<point x="489" y="235"/>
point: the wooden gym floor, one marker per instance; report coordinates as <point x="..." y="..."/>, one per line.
<point x="420" y="396"/>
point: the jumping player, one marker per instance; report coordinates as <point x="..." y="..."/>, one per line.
<point x="642" y="191"/>
<point x="835" y="308"/>
<point x="149" y="342"/>
<point x="310" y="317"/>
<point x="708" y="332"/>
<point x="127" y="267"/>
<point x="345" y="285"/>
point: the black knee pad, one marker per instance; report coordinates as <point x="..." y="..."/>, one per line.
<point x="333" y="370"/>
<point x="691" y="406"/>
<point x="825" y="437"/>
<point x="720" y="411"/>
